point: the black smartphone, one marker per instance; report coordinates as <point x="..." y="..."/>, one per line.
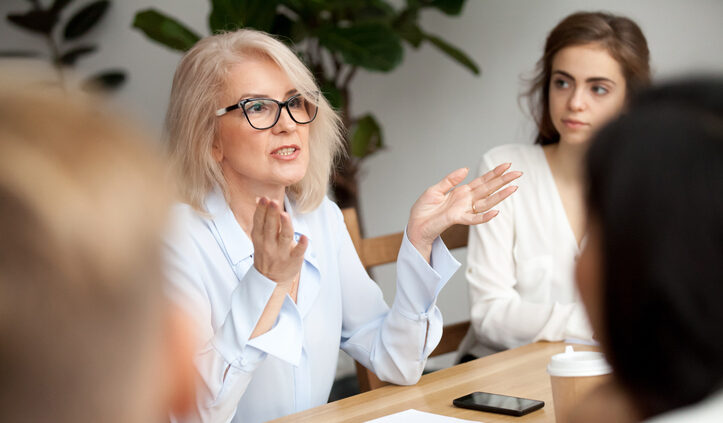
<point x="501" y="404"/>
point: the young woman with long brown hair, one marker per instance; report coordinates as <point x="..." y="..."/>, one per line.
<point x="520" y="267"/>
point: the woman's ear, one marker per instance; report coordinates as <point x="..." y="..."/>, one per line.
<point x="217" y="151"/>
<point x="180" y="345"/>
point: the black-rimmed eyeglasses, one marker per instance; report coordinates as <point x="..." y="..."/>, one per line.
<point x="263" y="113"/>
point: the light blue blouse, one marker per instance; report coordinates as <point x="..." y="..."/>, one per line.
<point x="291" y="367"/>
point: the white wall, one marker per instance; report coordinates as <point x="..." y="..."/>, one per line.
<point x="436" y="115"/>
<point x="439" y="117"/>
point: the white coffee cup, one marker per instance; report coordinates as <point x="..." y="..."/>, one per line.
<point x="573" y="374"/>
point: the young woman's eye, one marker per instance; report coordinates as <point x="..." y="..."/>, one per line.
<point x="561" y="83"/>
<point x="599" y="90"/>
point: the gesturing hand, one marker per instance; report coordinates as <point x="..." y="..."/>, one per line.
<point x="445" y="204"/>
<point x="276" y="255"/>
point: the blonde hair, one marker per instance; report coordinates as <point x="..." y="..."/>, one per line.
<point x="83" y="205"/>
<point x="191" y="124"/>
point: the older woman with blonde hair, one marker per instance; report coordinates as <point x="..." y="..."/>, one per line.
<point x="263" y="259"/>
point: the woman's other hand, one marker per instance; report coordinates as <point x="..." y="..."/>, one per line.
<point x="445" y="204"/>
<point x="276" y="255"/>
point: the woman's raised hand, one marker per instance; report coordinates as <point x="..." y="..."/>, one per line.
<point x="276" y="255"/>
<point x="445" y="204"/>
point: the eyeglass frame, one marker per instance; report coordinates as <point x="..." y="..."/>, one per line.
<point x="281" y="104"/>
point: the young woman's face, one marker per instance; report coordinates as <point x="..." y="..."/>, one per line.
<point x="587" y="89"/>
<point x="261" y="159"/>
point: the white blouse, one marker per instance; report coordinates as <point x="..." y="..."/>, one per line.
<point x="291" y="367"/>
<point x="520" y="265"/>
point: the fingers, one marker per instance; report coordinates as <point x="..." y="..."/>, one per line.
<point x="286" y="234"/>
<point x="271" y="224"/>
<point x="492" y="185"/>
<point x="259" y="218"/>
<point x="450" y="181"/>
<point x="300" y="248"/>
<point x="497" y="171"/>
<point x="272" y="221"/>
<point x="485" y="217"/>
<point x="479" y="206"/>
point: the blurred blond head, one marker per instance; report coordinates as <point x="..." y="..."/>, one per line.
<point x="191" y="123"/>
<point x="83" y="203"/>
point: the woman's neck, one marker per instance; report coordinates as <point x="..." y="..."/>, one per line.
<point x="566" y="161"/>
<point x="242" y="201"/>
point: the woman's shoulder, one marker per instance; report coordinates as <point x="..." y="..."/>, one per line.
<point x="186" y="214"/>
<point x="187" y="223"/>
<point x="324" y="215"/>
<point x="524" y="157"/>
<point x="510" y="152"/>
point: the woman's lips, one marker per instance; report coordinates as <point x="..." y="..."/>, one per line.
<point x="574" y="124"/>
<point x="286" y="152"/>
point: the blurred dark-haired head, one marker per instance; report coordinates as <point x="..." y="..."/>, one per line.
<point x="652" y="272"/>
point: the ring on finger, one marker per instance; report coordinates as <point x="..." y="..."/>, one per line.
<point x="474" y="210"/>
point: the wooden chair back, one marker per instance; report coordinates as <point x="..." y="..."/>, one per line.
<point x="384" y="249"/>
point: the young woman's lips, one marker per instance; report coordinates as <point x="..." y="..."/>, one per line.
<point x="574" y="124"/>
<point x="286" y="152"/>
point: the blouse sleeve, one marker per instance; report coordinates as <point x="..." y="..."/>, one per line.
<point x="393" y="342"/>
<point x="226" y="358"/>
<point x="500" y="317"/>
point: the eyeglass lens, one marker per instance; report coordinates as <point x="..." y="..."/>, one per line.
<point x="264" y="113"/>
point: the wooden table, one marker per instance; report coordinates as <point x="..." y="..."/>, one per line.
<point x="520" y="372"/>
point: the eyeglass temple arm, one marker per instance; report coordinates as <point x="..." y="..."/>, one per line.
<point x="221" y="112"/>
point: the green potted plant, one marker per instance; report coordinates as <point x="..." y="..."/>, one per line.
<point x="65" y="45"/>
<point x="334" y="38"/>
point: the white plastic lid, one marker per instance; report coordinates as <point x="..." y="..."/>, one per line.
<point x="573" y="363"/>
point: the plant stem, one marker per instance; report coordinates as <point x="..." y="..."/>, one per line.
<point x="55" y="56"/>
<point x="349" y="77"/>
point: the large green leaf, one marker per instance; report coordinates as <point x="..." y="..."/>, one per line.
<point x="333" y="94"/>
<point x="85" y="19"/>
<point x="106" y="81"/>
<point x="71" y="56"/>
<point x="40" y="21"/>
<point x="406" y="26"/>
<point x="450" y="7"/>
<point x="454" y="53"/>
<point x="372" y="46"/>
<point x="366" y="137"/>
<point x="286" y="28"/>
<point x="228" y="15"/>
<point x="165" y="30"/>
<point x="363" y="10"/>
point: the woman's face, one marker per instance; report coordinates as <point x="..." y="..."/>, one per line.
<point x="588" y="275"/>
<point x="587" y="89"/>
<point x="253" y="159"/>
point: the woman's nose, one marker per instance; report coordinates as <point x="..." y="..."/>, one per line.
<point x="285" y="123"/>
<point x="576" y="102"/>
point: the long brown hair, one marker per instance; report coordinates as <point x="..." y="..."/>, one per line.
<point x="620" y="36"/>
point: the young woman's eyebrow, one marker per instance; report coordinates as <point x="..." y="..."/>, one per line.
<point x="591" y="79"/>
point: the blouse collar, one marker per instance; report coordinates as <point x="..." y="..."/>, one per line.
<point x="237" y="244"/>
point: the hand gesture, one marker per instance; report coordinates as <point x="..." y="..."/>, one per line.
<point x="276" y="255"/>
<point x="445" y="204"/>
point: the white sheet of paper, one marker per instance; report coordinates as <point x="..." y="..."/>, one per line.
<point x="417" y="416"/>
